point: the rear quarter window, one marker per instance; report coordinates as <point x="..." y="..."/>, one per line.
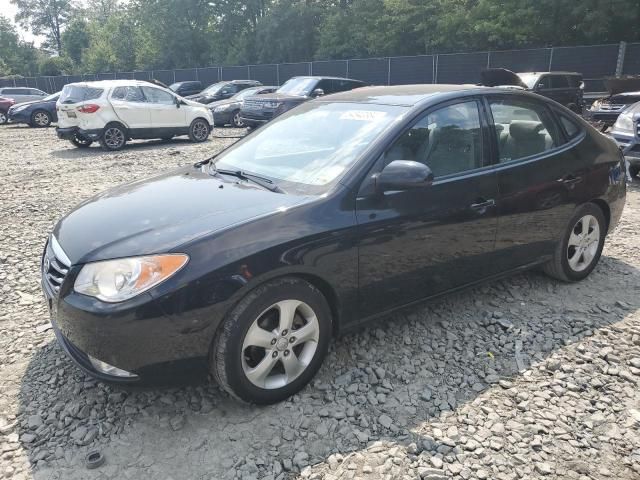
<point x="571" y="128"/>
<point x="77" y="94"/>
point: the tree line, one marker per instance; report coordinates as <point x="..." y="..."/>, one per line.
<point x="123" y="35"/>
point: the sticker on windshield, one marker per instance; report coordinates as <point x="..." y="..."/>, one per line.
<point x="363" y="115"/>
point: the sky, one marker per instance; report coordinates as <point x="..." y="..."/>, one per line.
<point x="9" y="10"/>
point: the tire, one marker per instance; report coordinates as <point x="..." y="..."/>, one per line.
<point x="3" y="118"/>
<point x="40" y="119"/>
<point x="576" y="256"/>
<point x="634" y="170"/>
<point x="81" y="142"/>
<point x="199" y="130"/>
<point x="236" y="121"/>
<point x="114" y="137"/>
<point x="234" y="357"/>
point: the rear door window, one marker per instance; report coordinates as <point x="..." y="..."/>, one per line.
<point x="558" y="81"/>
<point x="523" y="128"/>
<point x="128" y="94"/>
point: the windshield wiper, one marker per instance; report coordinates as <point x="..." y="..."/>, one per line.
<point x="257" y="179"/>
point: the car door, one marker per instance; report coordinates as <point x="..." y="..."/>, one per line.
<point x="538" y="176"/>
<point x="561" y="90"/>
<point x="421" y="242"/>
<point x="165" y="112"/>
<point x="131" y="108"/>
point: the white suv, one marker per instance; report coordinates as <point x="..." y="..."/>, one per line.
<point x="114" y="111"/>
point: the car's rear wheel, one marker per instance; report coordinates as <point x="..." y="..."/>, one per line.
<point x="237" y="121"/>
<point x="40" y="119"/>
<point x="199" y="130"/>
<point x="578" y="252"/>
<point x="113" y="137"/>
<point x="273" y="342"/>
<point x="81" y="142"/>
<point x="3" y="118"/>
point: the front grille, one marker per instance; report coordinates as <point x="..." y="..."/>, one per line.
<point x="611" y="107"/>
<point x="55" y="265"/>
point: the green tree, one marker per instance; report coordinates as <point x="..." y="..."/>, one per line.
<point x="45" y="17"/>
<point x="75" y="39"/>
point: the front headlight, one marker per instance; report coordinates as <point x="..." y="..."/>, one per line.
<point x="222" y="108"/>
<point x="624" y="123"/>
<point x="18" y="108"/>
<point x="272" y="104"/>
<point x="118" y="280"/>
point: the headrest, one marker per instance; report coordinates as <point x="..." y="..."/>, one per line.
<point x="524" y="129"/>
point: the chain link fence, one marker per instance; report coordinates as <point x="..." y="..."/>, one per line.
<point x="595" y="62"/>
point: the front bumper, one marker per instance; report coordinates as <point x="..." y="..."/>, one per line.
<point x="21" y="116"/>
<point x="135" y="336"/>
<point x="69" y="133"/>
<point x="630" y="146"/>
<point x="222" y="118"/>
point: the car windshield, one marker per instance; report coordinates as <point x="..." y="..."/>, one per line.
<point x="529" y="79"/>
<point x="298" y="86"/>
<point x="245" y="93"/>
<point x="212" y="89"/>
<point x="312" y="146"/>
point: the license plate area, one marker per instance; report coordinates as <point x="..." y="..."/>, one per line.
<point x="71" y="114"/>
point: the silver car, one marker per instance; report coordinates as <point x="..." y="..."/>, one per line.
<point x="22" y="94"/>
<point x="626" y="133"/>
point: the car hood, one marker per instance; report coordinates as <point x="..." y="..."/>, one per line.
<point x="622" y="85"/>
<point x="220" y="103"/>
<point x="161" y="213"/>
<point x="495" y="77"/>
<point x="36" y="102"/>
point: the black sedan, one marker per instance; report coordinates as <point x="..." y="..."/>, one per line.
<point x="38" y="113"/>
<point x="337" y="212"/>
<point x="227" y="112"/>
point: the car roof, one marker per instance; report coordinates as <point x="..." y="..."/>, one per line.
<point x="549" y="73"/>
<point x="322" y="77"/>
<point x="113" y="83"/>
<point x="406" y="95"/>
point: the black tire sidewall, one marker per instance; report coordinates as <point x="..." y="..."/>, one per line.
<point x="588" y="209"/>
<point x="236" y="379"/>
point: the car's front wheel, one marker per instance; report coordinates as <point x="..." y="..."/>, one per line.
<point x="40" y="119"/>
<point x="273" y="342"/>
<point x="113" y="137"/>
<point x="578" y="252"/>
<point x="199" y="130"/>
<point x="3" y="118"/>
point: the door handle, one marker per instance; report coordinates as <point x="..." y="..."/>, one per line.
<point x="570" y="180"/>
<point x="483" y="204"/>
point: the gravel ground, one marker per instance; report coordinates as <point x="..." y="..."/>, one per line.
<point x="522" y="378"/>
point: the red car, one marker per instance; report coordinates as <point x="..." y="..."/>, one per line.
<point x="5" y="103"/>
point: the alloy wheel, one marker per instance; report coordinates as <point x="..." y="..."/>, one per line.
<point x="280" y="344"/>
<point x="237" y="121"/>
<point x="3" y="118"/>
<point x="583" y="243"/>
<point x="41" y="119"/>
<point x="200" y="131"/>
<point x="114" y="137"/>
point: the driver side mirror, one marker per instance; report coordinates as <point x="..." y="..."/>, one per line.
<point x="318" y="92"/>
<point x="403" y="175"/>
<point x="178" y="101"/>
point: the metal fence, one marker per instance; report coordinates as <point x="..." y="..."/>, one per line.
<point x="595" y="62"/>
